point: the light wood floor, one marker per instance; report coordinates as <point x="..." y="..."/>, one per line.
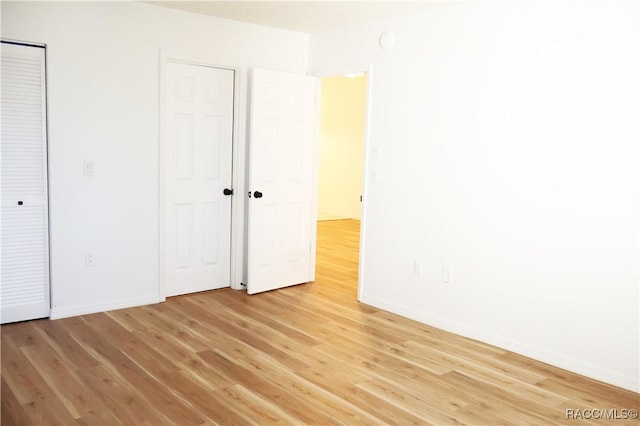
<point x="308" y="354"/>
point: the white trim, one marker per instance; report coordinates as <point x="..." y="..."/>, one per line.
<point x="365" y="183"/>
<point x="238" y="183"/>
<point x="237" y="164"/>
<point x="343" y="71"/>
<point x="556" y="359"/>
<point x="162" y="281"/>
<point x="315" y="178"/>
<point x="46" y="162"/>
<point x="75" y="310"/>
<point x="22" y="42"/>
<point x="368" y="70"/>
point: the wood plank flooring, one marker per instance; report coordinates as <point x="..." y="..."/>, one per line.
<point x="308" y="354"/>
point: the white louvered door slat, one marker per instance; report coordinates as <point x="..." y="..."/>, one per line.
<point x="24" y="248"/>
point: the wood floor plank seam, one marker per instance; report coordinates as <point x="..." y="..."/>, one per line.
<point x="304" y="355"/>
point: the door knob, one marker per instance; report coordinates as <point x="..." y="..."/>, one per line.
<point x="227" y="191"/>
<point x="257" y="194"/>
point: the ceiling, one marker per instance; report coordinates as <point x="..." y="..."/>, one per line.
<point x="301" y="16"/>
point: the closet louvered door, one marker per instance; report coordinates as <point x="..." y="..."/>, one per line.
<point x="24" y="290"/>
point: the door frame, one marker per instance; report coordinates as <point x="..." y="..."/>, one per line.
<point x="367" y="165"/>
<point x="237" y="178"/>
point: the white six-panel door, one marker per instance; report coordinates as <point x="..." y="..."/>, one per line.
<point x="24" y="291"/>
<point x="282" y="214"/>
<point x="196" y="170"/>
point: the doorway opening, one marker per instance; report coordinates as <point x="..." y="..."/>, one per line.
<point x="341" y="158"/>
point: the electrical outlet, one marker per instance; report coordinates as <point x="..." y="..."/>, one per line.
<point x="89" y="259"/>
<point x="89" y="168"/>
<point x="446" y="274"/>
<point x="375" y="175"/>
<point x="418" y="269"/>
<point x="375" y="156"/>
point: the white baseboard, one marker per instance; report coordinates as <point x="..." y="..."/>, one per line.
<point x="556" y="359"/>
<point x="92" y="308"/>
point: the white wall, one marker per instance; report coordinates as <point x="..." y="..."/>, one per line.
<point x="103" y="81"/>
<point x="508" y="151"/>
<point x="341" y="140"/>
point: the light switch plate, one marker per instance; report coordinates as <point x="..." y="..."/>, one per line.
<point x="89" y="168"/>
<point x="89" y="259"/>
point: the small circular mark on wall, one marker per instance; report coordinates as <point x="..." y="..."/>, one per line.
<point x="387" y="40"/>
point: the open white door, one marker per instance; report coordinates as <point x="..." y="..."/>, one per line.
<point x="281" y="204"/>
